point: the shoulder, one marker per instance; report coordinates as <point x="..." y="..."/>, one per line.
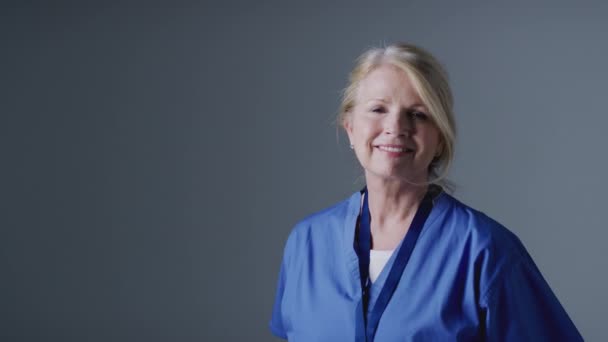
<point x="326" y="226"/>
<point x="483" y="231"/>
<point x="334" y="213"/>
<point x="492" y="248"/>
<point x="332" y="217"/>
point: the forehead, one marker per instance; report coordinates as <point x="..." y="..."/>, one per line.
<point x="387" y="82"/>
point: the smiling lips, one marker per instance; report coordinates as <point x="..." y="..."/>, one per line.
<point x="395" y="149"/>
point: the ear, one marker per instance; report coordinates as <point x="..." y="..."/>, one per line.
<point x="348" y="127"/>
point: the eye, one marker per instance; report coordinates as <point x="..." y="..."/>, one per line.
<point x="418" y="115"/>
<point x="378" y="109"/>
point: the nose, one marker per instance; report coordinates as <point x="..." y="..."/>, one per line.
<point x="399" y="124"/>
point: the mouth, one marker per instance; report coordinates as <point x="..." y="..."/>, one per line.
<point x="394" y="149"/>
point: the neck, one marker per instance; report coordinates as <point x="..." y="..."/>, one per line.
<point x="393" y="204"/>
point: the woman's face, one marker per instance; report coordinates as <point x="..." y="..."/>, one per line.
<point x="393" y="135"/>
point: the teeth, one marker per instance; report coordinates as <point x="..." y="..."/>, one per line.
<point x="391" y="149"/>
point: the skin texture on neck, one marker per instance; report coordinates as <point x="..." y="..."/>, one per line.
<point x="392" y="206"/>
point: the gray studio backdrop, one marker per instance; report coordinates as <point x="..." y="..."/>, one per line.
<point x="155" y="158"/>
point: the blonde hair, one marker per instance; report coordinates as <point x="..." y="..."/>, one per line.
<point x="430" y="81"/>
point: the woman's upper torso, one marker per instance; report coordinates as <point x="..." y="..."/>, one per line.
<point x="468" y="278"/>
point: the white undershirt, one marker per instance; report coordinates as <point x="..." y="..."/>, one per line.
<point x="377" y="260"/>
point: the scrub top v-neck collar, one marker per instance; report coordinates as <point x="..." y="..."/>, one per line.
<point x="354" y="210"/>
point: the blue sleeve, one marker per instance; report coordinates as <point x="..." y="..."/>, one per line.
<point x="276" y="321"/>
<point x="520" y="306"/>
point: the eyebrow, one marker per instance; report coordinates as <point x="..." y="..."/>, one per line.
<point x="414" y="105"/>
<point x="381" y="99"/>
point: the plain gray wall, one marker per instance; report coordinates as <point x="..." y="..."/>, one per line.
<point x="154" y="158"/>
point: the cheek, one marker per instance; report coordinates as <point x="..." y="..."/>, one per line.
<point x="431" y="143"/>
<point x="366" y="129"/>
<point x="358" y="133"/>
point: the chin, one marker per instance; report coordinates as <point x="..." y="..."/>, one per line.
<point x="395" y="176"/>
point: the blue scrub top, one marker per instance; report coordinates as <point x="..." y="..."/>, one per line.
<point x="468" y="279"/>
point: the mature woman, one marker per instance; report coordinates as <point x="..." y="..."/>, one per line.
<point x="402" y="260"/>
